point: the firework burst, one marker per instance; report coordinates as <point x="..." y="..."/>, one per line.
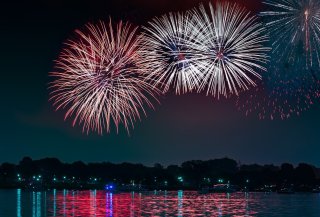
<point x="170" y="59"/>
<point x="295" y="23"/>
<point x="292" y="84"/>
<point x="231" y="43"/>
<point x="98" y="81"/>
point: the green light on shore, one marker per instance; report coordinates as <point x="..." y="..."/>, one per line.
<point x="220" y="180"/>
<point x="180" y="179"/>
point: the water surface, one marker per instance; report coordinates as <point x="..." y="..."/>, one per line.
<point x="22" y="203"/>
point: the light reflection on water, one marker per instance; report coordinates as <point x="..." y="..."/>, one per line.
<point x="18" y="202"/>
<point x="182" y="203"/>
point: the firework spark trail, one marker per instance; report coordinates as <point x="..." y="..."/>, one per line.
<point x="232" y="47"/>
<point x="291" y="86"/>
<point x="296" y="22"/>
<point x="169" y="56"/>
<point x="98" y="80"/>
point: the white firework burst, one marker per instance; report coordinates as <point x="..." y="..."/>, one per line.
<point x="170" y="59"/>
<point x="98" y="81"/>
<point x="294" y="27"/>
<point x="232" y="45"/>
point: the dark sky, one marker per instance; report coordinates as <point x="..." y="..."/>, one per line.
<point x="182" y="128"/>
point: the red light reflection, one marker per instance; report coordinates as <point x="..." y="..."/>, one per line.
<point x="101" y="203"/>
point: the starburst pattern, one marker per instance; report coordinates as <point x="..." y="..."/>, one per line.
<point x="294" y="27"/>
<point x="170" y="59"/>
<point x="232" y="45"/>
<point x="292" y="85"/>
<point x="98" y="80"/>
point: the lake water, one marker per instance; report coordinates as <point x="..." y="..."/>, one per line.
<point x="160" y="203"/>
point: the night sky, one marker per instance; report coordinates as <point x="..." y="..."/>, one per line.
<point x="187" y="127"/>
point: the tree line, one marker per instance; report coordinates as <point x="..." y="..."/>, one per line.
<point x="189" y="175"/>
